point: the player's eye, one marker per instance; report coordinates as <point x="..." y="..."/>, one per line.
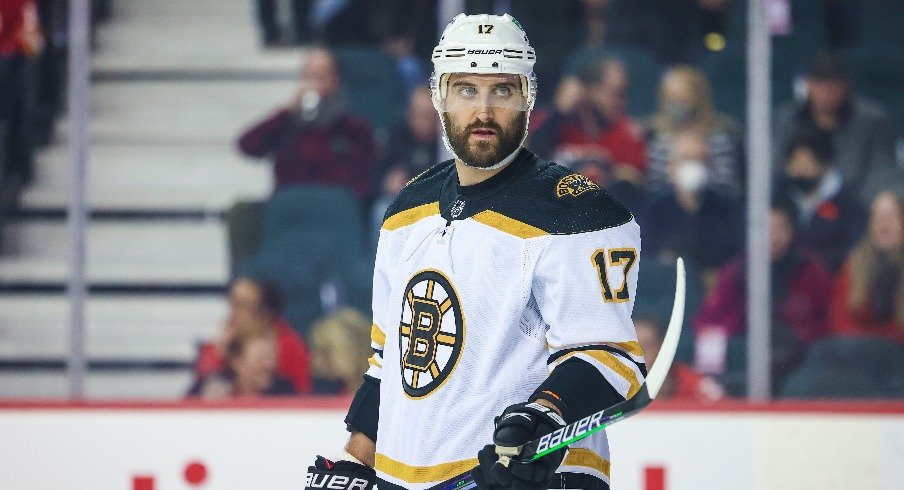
<point x="502" y="91"/>
<point x="467" y="91"/>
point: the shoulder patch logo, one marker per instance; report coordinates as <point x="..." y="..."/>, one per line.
<point x="574" y="185"/>
<point x="431" y="333"/>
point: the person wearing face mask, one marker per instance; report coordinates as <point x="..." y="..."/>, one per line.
<point x="861" y="130"/>
<point x="692" y="218"/>
<point x="685" y="104"/>
<point x="829" y="216"/>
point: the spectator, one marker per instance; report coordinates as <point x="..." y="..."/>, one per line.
<point x="682" y="382"/>
<point x="314" y="139"/>
<point x="21" y="40"/>
<point x="340" y="348"/>
<point x="412" y="149"/>
<point x="250" y="368"/>
<point x="830" y="220"/>
<point x="692" y="218"/>
<point x="685" y="103"/>
<point x="590" y="122"/>
<point x="862" y="132"/>
<point x="869" y="293"/>
<point x="253" y="302"/>
<point x="800" y="291"/>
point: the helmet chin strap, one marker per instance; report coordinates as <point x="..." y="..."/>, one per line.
<point x="505" y="161"/>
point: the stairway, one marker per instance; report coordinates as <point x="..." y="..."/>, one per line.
<point x="173" y="83"/>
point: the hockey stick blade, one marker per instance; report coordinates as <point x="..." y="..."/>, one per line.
<point x="598" y="421"/>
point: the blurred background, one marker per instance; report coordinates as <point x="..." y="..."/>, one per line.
<point x="191" y="191"/>
<point x="240" y="154"/>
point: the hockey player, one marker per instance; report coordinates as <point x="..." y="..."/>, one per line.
<point x="502" y="296"/>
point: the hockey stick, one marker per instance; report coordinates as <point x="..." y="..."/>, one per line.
<point x="598" y="421"/>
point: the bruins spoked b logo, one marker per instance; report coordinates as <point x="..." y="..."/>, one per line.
<point x="431" y="333"/>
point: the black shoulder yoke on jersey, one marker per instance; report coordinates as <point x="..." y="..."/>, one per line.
<point x="423" y="189"/>
<point x="546" y="197"/>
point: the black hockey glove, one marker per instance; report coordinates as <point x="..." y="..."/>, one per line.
<point x="518" y="425"/>
<point x="340" y="475"/>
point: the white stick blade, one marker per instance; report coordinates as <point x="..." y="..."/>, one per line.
<point x="660" y="369"/>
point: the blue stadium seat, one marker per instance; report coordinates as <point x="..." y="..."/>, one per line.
<point x="849" y="367"/>
<point x="656" y="293"/>
<point x="313" y="246"/>
<point x="372" y="86"/>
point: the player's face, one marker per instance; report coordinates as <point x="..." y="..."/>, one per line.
<point x="482" y="134"/>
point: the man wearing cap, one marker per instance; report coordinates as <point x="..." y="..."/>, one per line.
<point x="503" y="291"/>
<point x="861" y="131"/>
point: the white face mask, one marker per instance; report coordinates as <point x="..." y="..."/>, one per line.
<point x="691" y="176"/>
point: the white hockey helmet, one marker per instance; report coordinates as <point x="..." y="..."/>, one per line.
<point x="484" y="44"/>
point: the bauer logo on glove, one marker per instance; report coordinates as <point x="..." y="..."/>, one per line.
<point x="339" y="475"/>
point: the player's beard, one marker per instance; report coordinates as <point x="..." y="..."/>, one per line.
<point x="485" y="153"/>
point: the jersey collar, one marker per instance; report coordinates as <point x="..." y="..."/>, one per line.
<point x="463" y="201"/>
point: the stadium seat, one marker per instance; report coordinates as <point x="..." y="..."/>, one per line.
<point x="880" y="25"/>
<point x="243" y="226"/>
<point x="849" y="367"/>
<point x="312" y="245"/>
<point x="727" y="75"/>
<point x="366" y="72"/>
<point x="879" y="75"/>
<point x="656" y="294"/>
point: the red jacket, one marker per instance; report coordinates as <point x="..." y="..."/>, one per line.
<point x="292" y="359"/>
<point x="803" y="307"/>
<point x="18" y="23"/>
<point x="342" y="153"/>
<point x="621" y="141"/>
<point x="845" y="321"/>
<point x="692" y="386"/>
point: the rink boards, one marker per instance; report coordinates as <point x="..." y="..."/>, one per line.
<point x="150" y="446"/>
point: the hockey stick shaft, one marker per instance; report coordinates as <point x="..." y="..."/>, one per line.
<point x="598" y="421"/>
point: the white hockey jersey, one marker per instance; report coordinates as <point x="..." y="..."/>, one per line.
<point x="479" y="293"/>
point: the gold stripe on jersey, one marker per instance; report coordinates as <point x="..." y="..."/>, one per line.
<point x="586" y="458"/>
<point x="611" y="361"/>
<point x="422" y="474"/>
<point x="411" y="216"/>
<point x="374" y="362"/>
<point x="632" y="347"/>
<point x="377" y="336"/>
<point x="508" y="225"/>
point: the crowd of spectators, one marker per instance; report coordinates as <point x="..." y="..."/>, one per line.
<point x="628" y="97"/>
<point x="836" y="222"/>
